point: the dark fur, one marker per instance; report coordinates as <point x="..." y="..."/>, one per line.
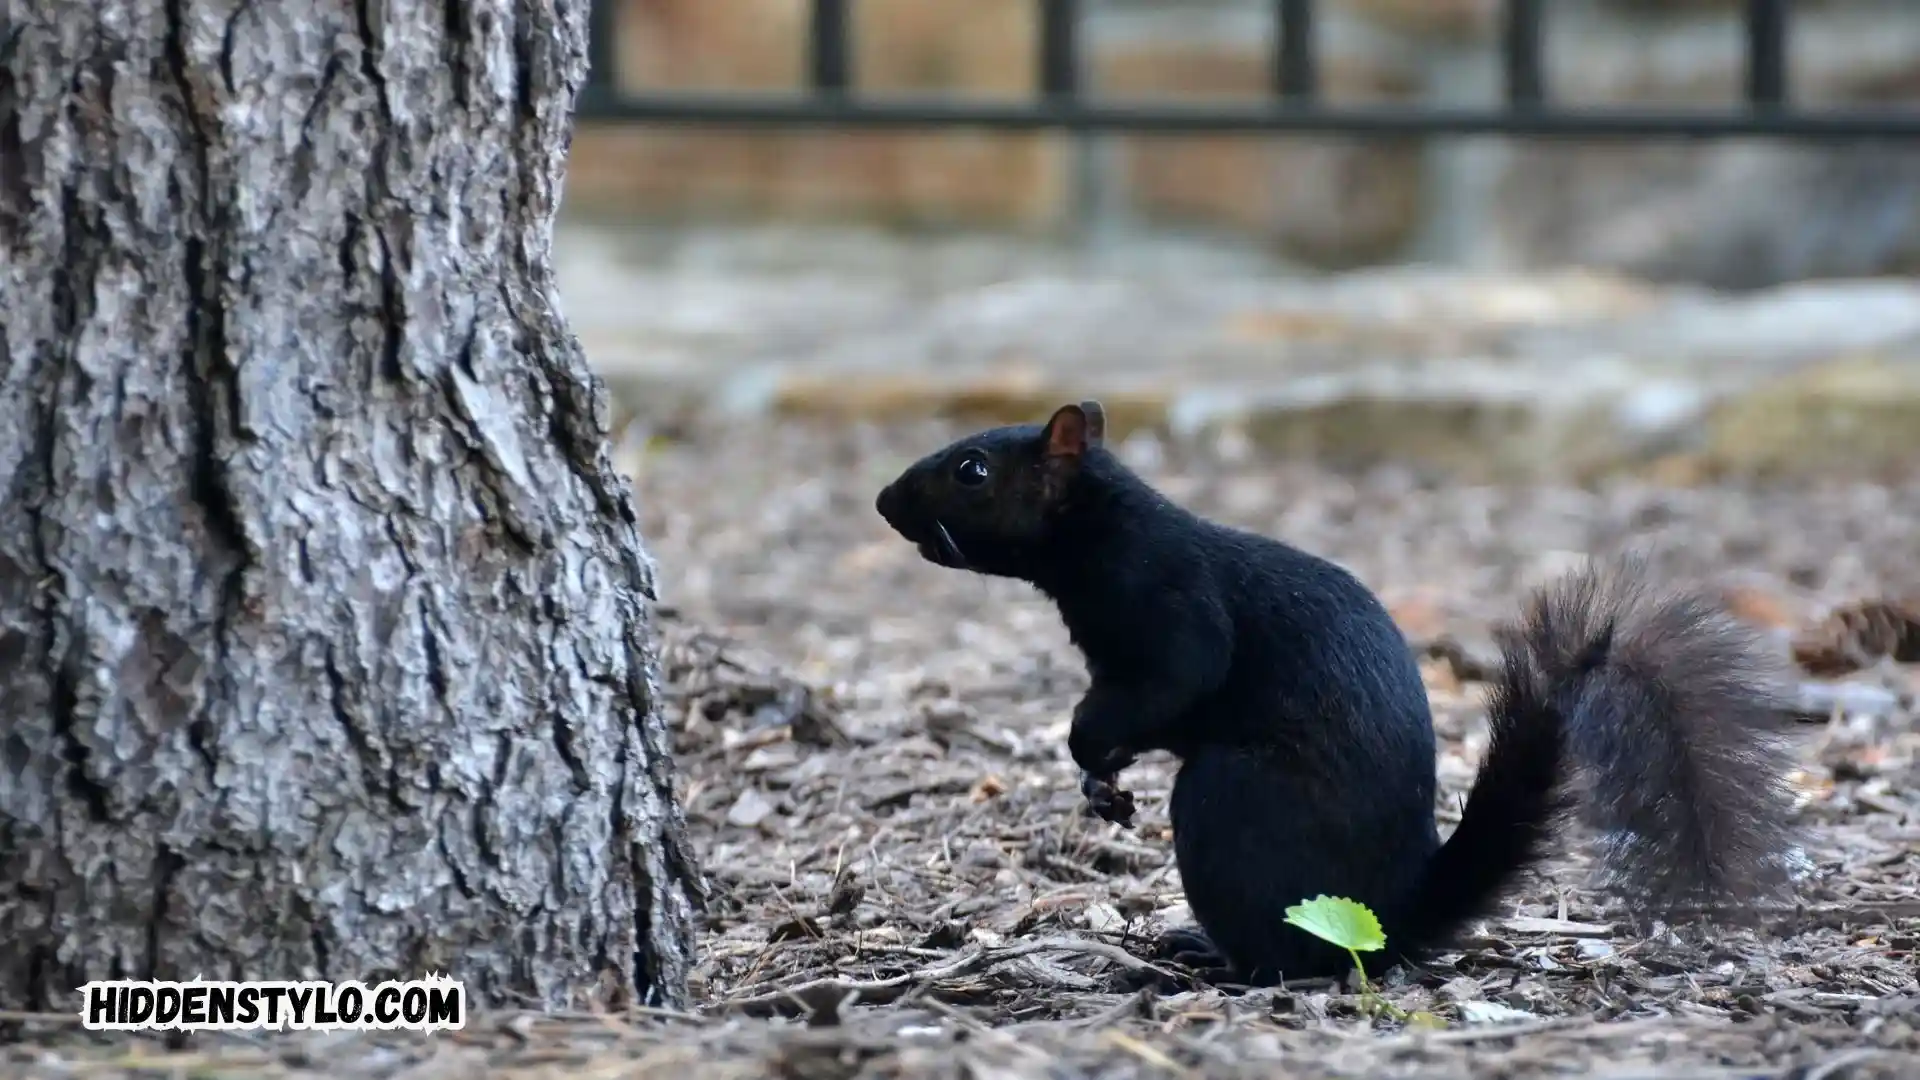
<point x="1303" y="729"/>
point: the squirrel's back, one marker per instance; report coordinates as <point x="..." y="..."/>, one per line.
<point x="1320" y="665"/>
<point x="1320" y="675"/>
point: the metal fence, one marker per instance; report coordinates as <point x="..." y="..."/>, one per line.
<point x="1295" y="105"/>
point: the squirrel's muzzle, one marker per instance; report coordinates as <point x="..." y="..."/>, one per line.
<point x="896" y="505"/>
<point x="890" y="504"/>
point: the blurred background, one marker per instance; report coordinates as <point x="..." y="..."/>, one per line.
<point x="1464" y="301"/>
<point x="1455" y="364"/>
<point x="1713" y="214"/>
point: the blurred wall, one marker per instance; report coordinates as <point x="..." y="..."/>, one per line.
<point x="1727" y="214"/>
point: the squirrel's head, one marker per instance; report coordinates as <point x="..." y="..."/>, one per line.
<point x="990" y="502"/>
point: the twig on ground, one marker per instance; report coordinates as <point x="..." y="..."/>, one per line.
<point x="1858" y="1056"/>
<point x="814" y="994"/>
<point x="980" y="1030"/>
<point x="1144" y="1052"/>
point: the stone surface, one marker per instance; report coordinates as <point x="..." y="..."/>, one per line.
<point x="1495" y="374"/>
<point x="957" y="179"/>
<point x="1328" y="201"/>
<point x="1470" y="19"/>
<point x="927" y="178"/>
<point x="1712" y="212"/>
<point x="712" y="45"/>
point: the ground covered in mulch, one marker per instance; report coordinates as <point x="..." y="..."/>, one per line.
<point x="902" y="884"/>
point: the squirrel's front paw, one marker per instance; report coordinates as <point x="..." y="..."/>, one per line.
<point x="1096" y="756"/>
<point x="1106" y="800"/>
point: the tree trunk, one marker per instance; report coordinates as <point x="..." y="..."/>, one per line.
<point x="324" y="619"/>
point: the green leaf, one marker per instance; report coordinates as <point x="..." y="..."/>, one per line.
<point x="1339" y="921"/>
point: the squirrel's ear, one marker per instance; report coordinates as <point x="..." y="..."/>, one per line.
<point x="1067" y="432"/>
<point x="1096" y="422"/>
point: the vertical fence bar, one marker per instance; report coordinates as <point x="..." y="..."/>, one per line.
<point x="1766" y="53"/>
<point x="1294" y="78"/>
<point x="830" y="47"/>
<point x="1521" y="53"/>
<point x="1059" y="49"/>
<point x="603" y="48"/>
<point x="1058" y="23"/>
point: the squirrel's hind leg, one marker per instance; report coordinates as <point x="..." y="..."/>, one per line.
<point x="1250" y="843"/>
<point x="1191" y="948"/>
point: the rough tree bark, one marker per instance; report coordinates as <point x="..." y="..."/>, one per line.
<point x="324" y="636"/>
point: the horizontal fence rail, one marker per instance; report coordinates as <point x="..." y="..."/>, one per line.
<point x="1294" y="106"/>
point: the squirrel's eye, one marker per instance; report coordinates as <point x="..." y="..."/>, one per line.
<point x="972" y="472"/>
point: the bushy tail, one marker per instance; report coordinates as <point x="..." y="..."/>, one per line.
<point x="1659" y="717"/>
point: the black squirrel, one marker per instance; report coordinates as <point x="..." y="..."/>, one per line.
<point x="1303" y="730"/>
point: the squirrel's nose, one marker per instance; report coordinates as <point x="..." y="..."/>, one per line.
<point x="888" y="502"/>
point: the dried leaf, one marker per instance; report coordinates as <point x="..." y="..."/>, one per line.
<point x="802" y="928"/>
<point x="1756" y="606"/>
<point x="847" y="893"/>
<point x="1860" y="635"/>
<point x="988" y="787"/>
